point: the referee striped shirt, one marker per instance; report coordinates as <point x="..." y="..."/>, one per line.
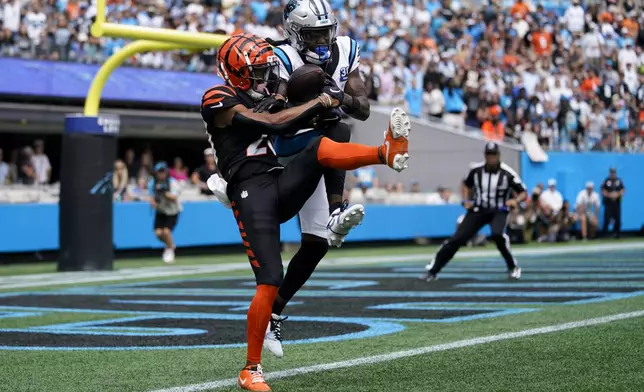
<point x="492" y="189"/>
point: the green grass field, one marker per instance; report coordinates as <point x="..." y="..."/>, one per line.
<point x="354" y="325"/>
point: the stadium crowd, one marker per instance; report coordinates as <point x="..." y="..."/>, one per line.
<point x="545" y="216"/>
<point x="26" y="177"/>
<point x="573" y="77"/>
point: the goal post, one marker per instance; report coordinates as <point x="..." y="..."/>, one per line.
<point x="89" y="148"/>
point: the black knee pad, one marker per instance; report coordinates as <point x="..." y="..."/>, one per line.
<point x="313" y="247"/>
<point x="340" y="133"/>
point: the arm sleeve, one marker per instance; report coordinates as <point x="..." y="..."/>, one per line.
<point x="469" y="180"/>
<point x="216" y="99"/>
<point x="517" y="184"/>
<point x="288" y="127"/>
<point x="354" y="55"/>
<point x="151" y="187"/>
<point x="604" y="187"/>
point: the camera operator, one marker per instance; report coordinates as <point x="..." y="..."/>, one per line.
<point x="164" y="192"/>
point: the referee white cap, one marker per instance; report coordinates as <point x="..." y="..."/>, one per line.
<point x="590" y="184"/>
<point x="208" y="151"/>
<point x="552" y="182"/>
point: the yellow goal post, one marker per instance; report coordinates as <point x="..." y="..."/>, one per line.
<point x="147" y="39"/>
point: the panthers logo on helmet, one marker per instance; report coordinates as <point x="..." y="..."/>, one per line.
<point x="290" y="6"/>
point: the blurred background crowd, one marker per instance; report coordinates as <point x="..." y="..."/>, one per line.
<point x="570" y="74"/>
<point x="545" y="216"/>
<point x="565" y="75"/>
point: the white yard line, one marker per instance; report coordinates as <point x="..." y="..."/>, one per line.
<point x="61" y="278"/>
<point x="410" y="353"/>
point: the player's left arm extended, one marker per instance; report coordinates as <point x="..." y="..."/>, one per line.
<point x="519" y="189"/>
<point x="355" y="102"/>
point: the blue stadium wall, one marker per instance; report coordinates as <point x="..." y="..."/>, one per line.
<point x="34" y="227"/>
<point x="573" y="170"/>
<point x="54" y="79"/>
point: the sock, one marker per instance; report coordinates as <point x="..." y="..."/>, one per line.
<point x="334" y="206"/>
<point x="300" y="270"/>
<point x="278" y="305"/>
<point x="259" y="314"/>
<point x="334" y="181"/>
<point x="347" y="156"/>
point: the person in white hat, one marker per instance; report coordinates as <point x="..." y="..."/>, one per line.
<point x="203" y="173"/>
<point x="551" y="199"/>
<point x="587" y="206"/>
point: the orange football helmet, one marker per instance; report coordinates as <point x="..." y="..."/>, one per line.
<point x="247" y="62"/>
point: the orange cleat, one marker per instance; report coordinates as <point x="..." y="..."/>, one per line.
<point x="251" y="378"/>
<point x="394" y="152"/>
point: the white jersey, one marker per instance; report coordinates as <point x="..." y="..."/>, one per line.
<point x="590" y="202"/>
<point x="345" y="58"/>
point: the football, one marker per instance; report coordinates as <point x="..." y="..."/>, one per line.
<point x="305" y="84"/>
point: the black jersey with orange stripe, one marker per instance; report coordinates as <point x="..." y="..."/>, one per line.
<point x="234" y="147"/>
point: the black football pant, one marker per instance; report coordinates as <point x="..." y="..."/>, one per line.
<point x="334" y="178"/>
<point x="312" y="248"/>
<point x="472" y="223"/>
<point x="263" y="202"/>
<point x="612" y="212"/>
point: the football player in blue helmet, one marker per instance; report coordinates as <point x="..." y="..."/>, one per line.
<point x="310" y="30"/>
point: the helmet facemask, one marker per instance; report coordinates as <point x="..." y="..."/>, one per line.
<point x="263" y="78"/>
<point x="316" y="43"/>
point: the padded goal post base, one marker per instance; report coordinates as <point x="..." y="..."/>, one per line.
<point x="86" y="193"/>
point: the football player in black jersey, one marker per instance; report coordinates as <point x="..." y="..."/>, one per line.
<point x="263" y="194"/>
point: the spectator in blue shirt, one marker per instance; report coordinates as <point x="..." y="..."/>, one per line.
<point x="414" y="98"/>
<point x="365" y="178"/>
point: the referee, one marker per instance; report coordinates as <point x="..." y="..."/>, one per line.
<point x="486" y="194"/>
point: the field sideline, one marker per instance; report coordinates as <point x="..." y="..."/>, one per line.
<point x="363" y="323"/>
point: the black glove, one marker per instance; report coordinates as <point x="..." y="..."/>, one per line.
<point x="331" y="88"/>
<point x="328" y="118"/>
<point x="272" y="104"/>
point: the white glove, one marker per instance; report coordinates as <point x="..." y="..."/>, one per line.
<point x="218" y="186"/>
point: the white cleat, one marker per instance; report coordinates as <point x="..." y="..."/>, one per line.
<point x="395" y="149"/>
<point x="515" y="273"/>
<point x="273" y="337"/>
<point x="168" y="256"/>
<point x="341" y="221"/>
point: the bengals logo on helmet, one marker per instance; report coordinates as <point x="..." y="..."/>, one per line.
<point x="240" y="56"/>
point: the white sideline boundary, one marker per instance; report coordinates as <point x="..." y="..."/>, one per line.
<point x="370" y="360"/>
<point x="62" y="278"/>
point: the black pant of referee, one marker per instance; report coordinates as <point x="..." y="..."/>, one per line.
<point x="474" y="221"/>
<point x="486" y="193"/>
